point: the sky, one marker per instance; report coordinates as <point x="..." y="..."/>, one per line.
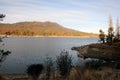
<point x="82" y="15"/>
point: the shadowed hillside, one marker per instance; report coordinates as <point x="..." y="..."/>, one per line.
<point x="40" y="29"/>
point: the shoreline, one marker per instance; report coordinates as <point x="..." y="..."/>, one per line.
<point x="51" y="36"/>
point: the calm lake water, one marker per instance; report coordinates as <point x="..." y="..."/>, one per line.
<point x="26" y="51"/>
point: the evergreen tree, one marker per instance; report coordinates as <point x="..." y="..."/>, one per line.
<point x="2" y="16"/>
<point x="110" y="32"/>
<point x="102" y="36"/>
<point x="117" y="35"/>
<point x="3" y="53"/>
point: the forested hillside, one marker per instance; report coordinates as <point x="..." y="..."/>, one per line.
<point x="39" y="29"/>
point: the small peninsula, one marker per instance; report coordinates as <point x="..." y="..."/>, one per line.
<point x="107" y="49"/>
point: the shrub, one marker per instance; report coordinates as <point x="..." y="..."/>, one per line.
<point x="64" y="63"/>
<point x="34" y="70"/>
<point x="48" y="64"/>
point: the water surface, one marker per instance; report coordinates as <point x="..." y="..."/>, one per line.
<point x="26" y="51"/>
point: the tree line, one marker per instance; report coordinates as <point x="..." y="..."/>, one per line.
<point x="112" y="36"/>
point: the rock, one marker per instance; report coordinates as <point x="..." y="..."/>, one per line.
<point x="99" y="51"/>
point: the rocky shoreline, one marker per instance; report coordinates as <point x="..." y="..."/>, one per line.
<point x="99" y="51"/>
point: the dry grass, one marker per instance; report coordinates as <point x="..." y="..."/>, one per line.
<point x="77" y="73"/>
<point x="88" y="74"/>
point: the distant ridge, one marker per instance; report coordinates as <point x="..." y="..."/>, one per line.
<point x="40" y="29"/>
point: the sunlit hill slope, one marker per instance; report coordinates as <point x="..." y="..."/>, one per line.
<point x="40" y="29"/>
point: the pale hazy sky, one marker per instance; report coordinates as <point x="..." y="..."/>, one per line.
<point x="83" y="15"/>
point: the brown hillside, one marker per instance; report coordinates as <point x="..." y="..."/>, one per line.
<point x="40" y="28"/>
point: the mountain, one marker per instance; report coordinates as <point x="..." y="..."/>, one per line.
<point x="40" y="29"/>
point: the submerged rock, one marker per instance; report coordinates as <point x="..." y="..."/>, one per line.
<point x="99" y="51"/>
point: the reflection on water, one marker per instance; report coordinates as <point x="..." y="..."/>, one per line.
<point x="26" y="51"/>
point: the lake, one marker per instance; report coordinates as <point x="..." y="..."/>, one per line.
<point x="30" y="50"/>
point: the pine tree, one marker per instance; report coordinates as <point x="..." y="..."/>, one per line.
<point x="117" y="29"/>
<point x="102" y="36"/>
<point x="2" y="16"/>
<point x="110" y="32"/>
